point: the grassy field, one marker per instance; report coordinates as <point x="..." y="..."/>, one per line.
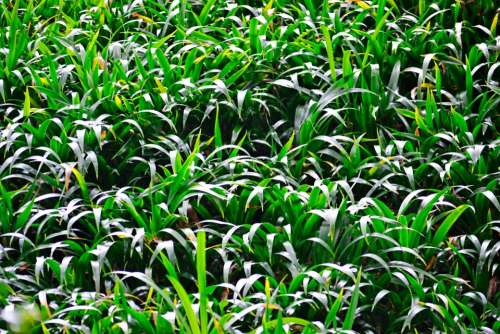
<point x="278" y="166"/>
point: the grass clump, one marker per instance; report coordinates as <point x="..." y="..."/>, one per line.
<point x="249" y="166"/>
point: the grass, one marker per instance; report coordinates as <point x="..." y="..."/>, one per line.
<point x="249" y="166"/>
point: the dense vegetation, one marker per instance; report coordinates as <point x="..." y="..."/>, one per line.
<point x="236" y="166"/>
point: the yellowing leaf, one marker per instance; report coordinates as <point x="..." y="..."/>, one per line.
<point x="67" y="178"/>
<point x="142" y="17"/>
<point x="27" y="103"/>
<point x="150" y="295"/>
<point x="118" y="101"/>
<point x="162" y="88"/>
<point x="382" y="162"/>
<point x="273" y="306"/>
<point x="493" y="28"/>
<point x="200" y="58"/>
<point x="218" y="327"/>
<point x="44" y="329"/>
<point x="430" y="264"/>
<point x="267" y="9"/>
<point x="99" y="61"/>
<point x="427" y="85"/>
<point x="362" y="4"/>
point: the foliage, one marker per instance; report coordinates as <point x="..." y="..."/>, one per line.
<point x="249" y="166"/>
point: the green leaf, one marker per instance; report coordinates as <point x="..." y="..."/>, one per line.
<point x="329" y="52"/>
<point x="202" y="279"/>
<point x="255" y="44"/>
<point x="468" y="81"/>
<point x="286" y="147"/>
<point x="194" y="325"/>
<point x="24" y="216"/>
<point x="83" y="185"/>
<point x="207" y="8"/>
<point x="331" y="318"/>
<point x="419" y="222"/>
<point x="351" y="312"/>
<point x="218" y="134"/>
<point x="446" y="225"/>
